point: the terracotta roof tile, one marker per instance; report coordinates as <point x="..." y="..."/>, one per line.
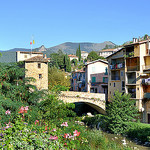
<point x="72" y="56"/>
<point x="37" y="59"/>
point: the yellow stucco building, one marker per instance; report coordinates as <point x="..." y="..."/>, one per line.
<point x="129" y="72"/>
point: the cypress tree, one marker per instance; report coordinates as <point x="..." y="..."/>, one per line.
<point x="77" y="52"/>
<point x="79" y="56"/>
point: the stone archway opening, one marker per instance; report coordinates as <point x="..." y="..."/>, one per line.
<point x="82" y="108"/>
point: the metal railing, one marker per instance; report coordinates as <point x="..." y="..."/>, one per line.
<point x="131" y="81"/>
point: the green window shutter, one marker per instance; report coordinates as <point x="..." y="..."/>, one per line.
<point x="93" y="79"/>
<point x="103" y="79"/>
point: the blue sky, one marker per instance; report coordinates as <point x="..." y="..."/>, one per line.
<point x="52" y="22"/>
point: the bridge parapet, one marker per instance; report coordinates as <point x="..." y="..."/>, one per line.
<point x="97" y="99"/>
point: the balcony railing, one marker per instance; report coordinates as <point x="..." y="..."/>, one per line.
<point x="117" y="66"/>
<point x="133" y="68"/>
<point x="147" y="95"/>
<point x="131" y="81"/>
<point x="115" y="77"/>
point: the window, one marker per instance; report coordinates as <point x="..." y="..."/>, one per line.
<point x="121" y="73"/>
<point x="40" y="76"/>
<point x="123" y="85"/>
<point x="105" y="80"/>
<point x="114" y="84"/>
<point x="93" y="79"/>
<point x="39" y="65"/>
<point x="110" y="84"/>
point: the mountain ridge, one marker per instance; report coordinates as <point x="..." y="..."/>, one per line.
<point x="67" y="47"/>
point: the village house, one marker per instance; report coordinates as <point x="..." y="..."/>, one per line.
<point x="72" y="57"/>
<point x="36" y="66"/>
<point x="78" y="80"/>
<point x="97" y="76"/>
<point x="129" y="72"/>
<point x="106" y="52"/>
<point x="84" y="54"/>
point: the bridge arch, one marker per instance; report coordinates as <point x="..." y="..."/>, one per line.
<point x="94" y="100"/>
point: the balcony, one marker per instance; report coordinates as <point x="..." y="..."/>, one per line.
<point x="115" y="77"/>
<point x="117" y="66"/>
<point x="133" y="68"/>
<point x="147" y="95"/>
<point x="131" y="81"/>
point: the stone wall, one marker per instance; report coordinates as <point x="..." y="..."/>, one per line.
<point x="97" y="99"/>
<point x="34" y="71"/>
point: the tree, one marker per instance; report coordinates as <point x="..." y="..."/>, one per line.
<point x="79" y="57"/>
<point x="122" y="109"/>
<point x="77" y="52"/>
<point x="57" y="77"/>
<point x="53" y="109"/>
<point x="146" y="36"/>
<point x="92" y="56"/>
<point x="57" y="59"/>
<point x="74" y="61"/>
<point x="67" y="63"/>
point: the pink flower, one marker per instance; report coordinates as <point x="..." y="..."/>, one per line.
<point x="36" y="121"/>
<point x="65" y="124"/>
<point x="23" y="109"/>
<point x="7" y="125"/>
<point x="54" y="130"/>
<point x="66" y="135"/>
<point x="26" y="108"/>
<point x="53" y="138"/>
<point x="7" y="112"/>
<point x="76" y="133"/>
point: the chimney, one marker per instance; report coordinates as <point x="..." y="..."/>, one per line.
<point x="135" y="40"/>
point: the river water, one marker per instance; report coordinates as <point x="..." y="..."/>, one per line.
<point x="119" y="138"/>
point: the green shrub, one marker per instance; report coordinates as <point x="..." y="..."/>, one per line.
<point x="140" y="131"/>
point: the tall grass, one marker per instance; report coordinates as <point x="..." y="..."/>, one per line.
<point x="97" y="141"/>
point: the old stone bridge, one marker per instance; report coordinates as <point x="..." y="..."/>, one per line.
<point x="95" y="100"/>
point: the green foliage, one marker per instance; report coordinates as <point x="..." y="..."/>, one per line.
<point x="57" y="59"/>
<point x="59" y="88"/>
<point x="22" y="135"/>
<point x="74" y="61"/>
<point x="78" y="53"/>
<point x="145" y="36"/>
<point x="67" y="63"/>
<point x="57" y="77"/>
<point x="53" y="109"/>
<point x="120" y="110"/>
<point x="92" y="56"/>
<point x="15" y="86"/>
<point x="140" y="131"/>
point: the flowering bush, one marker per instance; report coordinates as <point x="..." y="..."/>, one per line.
<point x="20" y="134"/>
